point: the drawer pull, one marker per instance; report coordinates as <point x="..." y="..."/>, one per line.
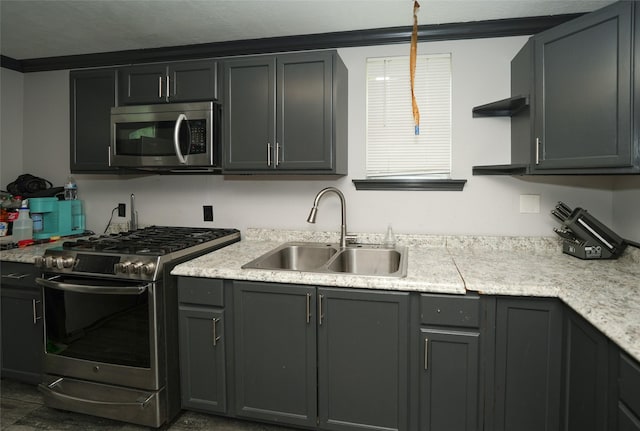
<point x="426" y="353"/>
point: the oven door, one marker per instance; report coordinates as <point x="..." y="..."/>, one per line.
<point x="102" y="330"/>
<point x="173" y="135"/>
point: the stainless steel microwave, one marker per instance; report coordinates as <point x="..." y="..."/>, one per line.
<point x="172" y="136"/>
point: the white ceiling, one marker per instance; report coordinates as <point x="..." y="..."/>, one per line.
<point x="49" y="28"/>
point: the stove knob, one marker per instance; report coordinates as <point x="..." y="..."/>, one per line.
<point x="39" y="261"/>
<point x="48" y="262"/>
<point x="122" y="267"/>
<point x="64" y="262"/>
<point x="148" y="269"/>
<point x="135" y="268"/>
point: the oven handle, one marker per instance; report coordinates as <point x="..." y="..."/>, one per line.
<point x="176" y="136"/>
<point x="80" y="288"/>
<point x="50" y="390"/>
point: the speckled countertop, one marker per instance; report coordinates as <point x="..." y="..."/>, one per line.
<point x="605" y="292"/>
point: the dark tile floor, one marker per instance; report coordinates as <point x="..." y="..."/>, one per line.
<point x="22" y="409"/>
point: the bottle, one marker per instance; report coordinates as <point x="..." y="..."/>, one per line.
<point x="23" y="226"/>
<point x="390" y="238"/>
<point x="70" y="189"/>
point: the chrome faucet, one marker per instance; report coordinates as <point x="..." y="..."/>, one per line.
<point x="133" y="223"/>
<point x="343" y="226"/>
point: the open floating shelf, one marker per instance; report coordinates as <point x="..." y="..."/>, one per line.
<point x="502" y="108"/>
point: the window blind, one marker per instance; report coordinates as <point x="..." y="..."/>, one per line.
<point x="393" y="148"/>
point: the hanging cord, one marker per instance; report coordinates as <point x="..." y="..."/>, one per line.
<point x="412" y="66"/>
<point x="113" y="211"/>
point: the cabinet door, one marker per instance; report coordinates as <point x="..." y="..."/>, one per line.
<point x="143" y="84"/>
<point x="585" y="376"/>
<point x="21" y="326"/>
<point x="93" y="94"/>
<point x="249" y="102"/>
<point x="191" y="81"/>
<point x="583" y="88"/>
<point x="528" y="364"/>
<point x="449" y="382"/>
<point x="275" y="352"/>
<point x="304" y="131"/>
<point x="363" y="360"/>
<point x="202" y="358"/>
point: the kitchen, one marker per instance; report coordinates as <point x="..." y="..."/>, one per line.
<point x="487" y="206"/>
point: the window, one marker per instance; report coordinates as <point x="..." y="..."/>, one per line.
<point x="393" y="148"/>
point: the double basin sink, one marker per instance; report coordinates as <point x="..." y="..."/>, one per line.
<point x="356" y="259"/>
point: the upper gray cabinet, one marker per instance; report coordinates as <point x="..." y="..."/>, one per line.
<point x="580" y="87"/>
<point x="285" y="114"/>
<point x="92" y="95"/>
<point x="584" y="88"/>
<point x="184" y="81"/>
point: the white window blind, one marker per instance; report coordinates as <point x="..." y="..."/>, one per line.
<point x="393" y="148"/>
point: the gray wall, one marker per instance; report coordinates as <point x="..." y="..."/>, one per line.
<point x="487" y="206"/>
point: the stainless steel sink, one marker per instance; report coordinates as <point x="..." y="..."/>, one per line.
<point x="295" y="257"/>
<point x="368" y="260"/>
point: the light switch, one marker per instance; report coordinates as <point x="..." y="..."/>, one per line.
<point x="530" y="204"/>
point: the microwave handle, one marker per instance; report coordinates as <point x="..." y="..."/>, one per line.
<point x="176" y="142"/>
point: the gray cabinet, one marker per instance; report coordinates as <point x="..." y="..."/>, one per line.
<point x="22" y="327"/>
<point x="275" y="352"/>
<point x="362" y="359"/>
<point x="585" y="376"/>
<point x="333" y="358"/>
<point x="527" y="364"/>
<point x="285" y="114"/>
<point x="575" y="97"/>
<point x="92" y="95"/>
<point x="628" y="394"/>
<point x="184" y="81"/>
<point x="584" y="93"/>
<point x="450" y="392"/>
<point x="202" y="341"/>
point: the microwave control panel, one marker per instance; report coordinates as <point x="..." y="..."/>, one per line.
<point x="198" y="141"/>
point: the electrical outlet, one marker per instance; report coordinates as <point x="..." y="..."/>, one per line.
<point x="207" y="211"/>
<point x="122" y="210"/>
<point x="529" y="204"/>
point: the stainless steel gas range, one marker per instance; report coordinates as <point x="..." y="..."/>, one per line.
<point x="111" y="326"/>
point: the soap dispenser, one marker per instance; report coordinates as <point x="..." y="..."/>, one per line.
<point x="390" y="238"/>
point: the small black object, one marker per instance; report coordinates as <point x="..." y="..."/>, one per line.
<point x="122" y="210"/>
<point x="207" y="212"/>
<point x="30" y="186"/>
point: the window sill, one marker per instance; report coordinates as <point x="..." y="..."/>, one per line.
<point x="410" y="184"/>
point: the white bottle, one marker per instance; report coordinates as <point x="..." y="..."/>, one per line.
<point x="70" y="189"/>
<point x="23" y="225"/>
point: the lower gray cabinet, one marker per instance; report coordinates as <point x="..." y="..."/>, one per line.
<point x="528" y="364"/>
<point x="586" y="377"/>
<point x="22" y="327"/>
<point x="275" y="352"/>
<point x="202" y="344"/>
<point x="332" y="358"/>
<point x="362" y="359"/>
<point x="628" y="399"/>
<point x="450" y="363"/>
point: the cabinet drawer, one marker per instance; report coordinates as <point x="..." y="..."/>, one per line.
<point x="205" y="291"/>
<point x="630" y="384"/>
<point x="450" y="310"/>
<point x="19" y="275"/>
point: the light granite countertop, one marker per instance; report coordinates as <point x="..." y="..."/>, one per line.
<point x="605" y="292"/>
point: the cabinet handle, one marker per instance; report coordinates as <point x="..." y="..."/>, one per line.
<point x="216" y="338"/>
<point x="320" y="315"/>
<point x="160" y="87"/>
<point x="308" y="307"/>
<point x="268" y="154"/>
<point x="35" y="312"/>
<point x="277" y="154"/>
<point x="538" y="142"/>
<point x="426" y="353"/>
<point x="168" y="87"/>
